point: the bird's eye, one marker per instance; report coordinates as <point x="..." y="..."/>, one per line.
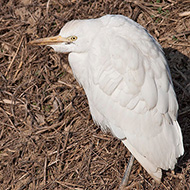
<point x="72" y="38"/>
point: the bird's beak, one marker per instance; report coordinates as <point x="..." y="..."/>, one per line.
<point x="49" y="41"/>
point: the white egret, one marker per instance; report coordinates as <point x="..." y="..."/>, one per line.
<point x="128" y="85"/>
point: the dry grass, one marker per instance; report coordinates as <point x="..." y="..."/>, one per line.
<point x="47" y="137"/>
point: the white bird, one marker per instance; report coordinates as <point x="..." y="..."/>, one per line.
<point x="128" y="85"/>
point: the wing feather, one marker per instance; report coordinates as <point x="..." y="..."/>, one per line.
<point x="149" y="91"/>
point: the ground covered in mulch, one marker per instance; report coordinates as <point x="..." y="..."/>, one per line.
<point x="47" y="137"/>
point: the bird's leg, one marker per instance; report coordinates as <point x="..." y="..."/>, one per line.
<point x="127" y="173"/>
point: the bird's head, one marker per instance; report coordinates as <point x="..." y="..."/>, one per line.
<point x="75" y="36"/>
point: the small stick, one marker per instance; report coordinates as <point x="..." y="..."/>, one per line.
<point x="14" y="56"/>
<point x="45" y="168"/>
<point x="47" y="7"/>
<point x="186" y="13"/>
<point x="20" y="65"/>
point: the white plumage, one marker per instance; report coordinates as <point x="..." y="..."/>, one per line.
<point x="128" y="85"/>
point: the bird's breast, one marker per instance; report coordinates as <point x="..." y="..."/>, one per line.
<point x="78" y="63"/>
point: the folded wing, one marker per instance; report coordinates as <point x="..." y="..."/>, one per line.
<point x="132" y="94"/>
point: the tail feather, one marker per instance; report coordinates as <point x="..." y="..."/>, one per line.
<point x="180" y="148"/>
<point x="153" y="170"/>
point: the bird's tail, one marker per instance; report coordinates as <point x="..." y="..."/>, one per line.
<point x="153" y="170"/>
